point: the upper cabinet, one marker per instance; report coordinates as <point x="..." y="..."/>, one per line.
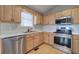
<point x="52" y="18"/>
<point x="67" y="12"/>
<point x="12" y="14"/>
<point x="38" y="18"/>
<point x="75" y="15"/>
<point x="17" y="14"/>
<point x="59" y="14"/>
<point x="64" y="13"/>
<point x="49" y="19"/>
<point x="9" y="13"/>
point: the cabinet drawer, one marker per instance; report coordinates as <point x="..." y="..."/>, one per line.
<point x="76" y="37"/>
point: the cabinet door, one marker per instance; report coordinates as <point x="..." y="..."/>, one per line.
<point x="0" y="46"/>
<point x="51" y="38"/>
<point x="46" y="20"/>
<point x="36" y="39"/>
<point x="28" y="44"/>
<point x="7" y="9"/>
<point x="75" y="15"/>
<point x="17" y="14"/>
<point x="67" y="12"/>
<point x="75" y="45"/>
<point x="41" y="40"/>
<point x="59" y="14"/>
<point x="51" y="18"/>
<point x="1" y="13"/>
<point x="38" y="18"/>
<point x="46" y="37"/>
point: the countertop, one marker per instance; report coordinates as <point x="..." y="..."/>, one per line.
<point x="14" y="33"/>
<point x="17" y="33"/>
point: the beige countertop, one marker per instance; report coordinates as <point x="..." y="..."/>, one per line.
<point x="6" y="34"/>
<point x="14" y="33"/>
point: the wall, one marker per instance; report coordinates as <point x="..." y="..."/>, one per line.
<point x="5" y="27"/>
<point x="52" y="28"/>
<point x="76" y="28"/>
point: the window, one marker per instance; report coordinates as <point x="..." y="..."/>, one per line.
<point x="26" y="19"/>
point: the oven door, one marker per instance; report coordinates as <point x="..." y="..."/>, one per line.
<point x="62" y="41"/>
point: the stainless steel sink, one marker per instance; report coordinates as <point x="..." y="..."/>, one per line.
<point x="29" y="31"/>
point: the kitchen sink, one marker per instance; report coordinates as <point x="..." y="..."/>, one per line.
<point x="29" y="31"/>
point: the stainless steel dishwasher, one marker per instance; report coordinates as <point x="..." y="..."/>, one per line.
<point x="13" y="45"/>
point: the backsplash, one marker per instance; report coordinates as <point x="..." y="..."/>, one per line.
<point x="52" y="28"/>
<point x="7" y="26"/>
<point x="4" y="27"/>
<point x="48" y="28"/>
<point x="76" y="28"/>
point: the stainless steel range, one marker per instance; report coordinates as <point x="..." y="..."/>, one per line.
<point x="63" y="37"/>
<point x="63" y="42"/>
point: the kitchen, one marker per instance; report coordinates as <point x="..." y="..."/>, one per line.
<point x="39" y="29"/>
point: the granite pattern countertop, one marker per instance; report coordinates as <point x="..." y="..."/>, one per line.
<point x="17" y="33"/>
<point x="14" y="33"/>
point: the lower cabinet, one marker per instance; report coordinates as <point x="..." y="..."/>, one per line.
<point x="75" y="44"/>
<point x="49" y="38"/>
<point x="0" y="46"/>
<point x="32" y="40"/>
<point x="28" y="42"/>
<point x="29" y="45"/>
<point x="38" y="39"/>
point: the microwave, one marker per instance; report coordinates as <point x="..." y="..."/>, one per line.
<point x="64" y="20"/>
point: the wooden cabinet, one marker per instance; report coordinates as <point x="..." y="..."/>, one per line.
<point x="38" y="18"/>
<point x="49" y="38"/>
<point x="17" y="14"/>
<point x="41" y="40"/>
<point x="75" y="15"/>
<point x="58" y="14"/>
<point x="38" y="39"/>
<point x="1" y="13"/>
<point x="70" y="12"/>
<point x="52" y="18"/>
<point x="49" y="19"/>
<point x="46" y="37"/>
<point x="28" y="42"/>
<point x="45" y="19"/>
<point x="0" y="46"/>
<point x="67" y="12"/>
<point x="32" y="40"/>
<point x="10" y="14"/>
<point x="75" y="44"/>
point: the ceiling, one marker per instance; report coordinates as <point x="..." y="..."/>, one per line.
<point x="45" y="9"/>
<point x="41" y="8"/>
